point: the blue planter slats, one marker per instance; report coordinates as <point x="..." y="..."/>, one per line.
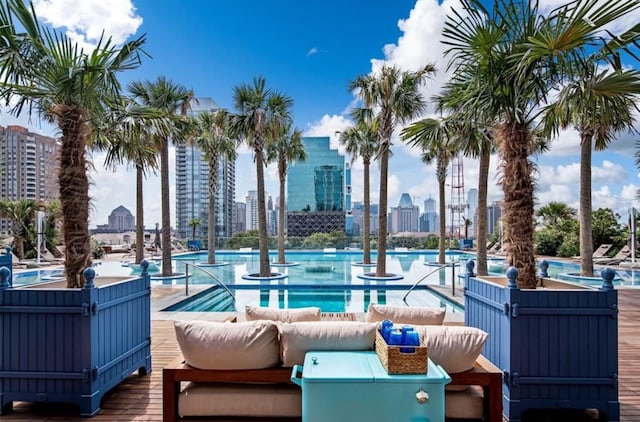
<point x="558" y="347"/>
<point x="72" y="345"/>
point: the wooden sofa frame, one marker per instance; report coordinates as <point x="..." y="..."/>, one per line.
<point x="484" y="374"/>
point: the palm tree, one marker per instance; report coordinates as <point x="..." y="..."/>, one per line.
<point x="476" y="142"/>
<point x="554" y="213"/>
<point x="360" y="141"/>
<point x="21" y="213"/>
<point x="598" y="104"/>
<point x="258" y="108"/>
<point x="395" y="97"/>
<point x="128" y="139"/>
<point x="213" y="137"/>
<point x="439" y="141"/>
<point x="285" y="147"/>
<point x="194" y="223"/>
<point x="51" y="234"/>
<point x="524" y="55"/>
<point x="70" y="86"/>
<point x="166" y="98"/>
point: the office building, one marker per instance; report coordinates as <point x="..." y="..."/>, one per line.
<point x="192" y="187"/>
<point x="358" y="218"/>
<point x="404" y="217"/>
<point x="316" y="190"/>
<point x="241" y="217"/>
<point x="251" y="212"/>
<point x="28" y="167"/>
<point x="430" y="205"/>
<point x="120" y="220"/>
<point x="494" y="213"/>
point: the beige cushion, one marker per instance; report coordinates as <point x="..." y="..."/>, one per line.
<point x="298" y="338"/>
<point x="465" y="404"/>
<point x="455" y="348"/>
<point x="242" y="400"/>
<point x="220" y="345"/>
<point x="253" y="313"/>
<point x="405" y="314"/>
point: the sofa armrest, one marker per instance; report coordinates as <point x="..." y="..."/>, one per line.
<point x="489" y="377"/>
<point x="173" y="376"/>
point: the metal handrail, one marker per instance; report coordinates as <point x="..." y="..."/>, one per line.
<point x="440" y="266"/>
<point x="220" y="282"/>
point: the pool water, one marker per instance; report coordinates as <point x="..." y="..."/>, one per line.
<point x="333" y="281"/>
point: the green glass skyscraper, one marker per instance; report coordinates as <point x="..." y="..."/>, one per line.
<point x="316" y="190"/>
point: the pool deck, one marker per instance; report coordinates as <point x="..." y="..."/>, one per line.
<point x="140" y="398"/>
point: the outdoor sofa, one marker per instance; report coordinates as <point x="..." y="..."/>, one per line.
<point x="243" y="369"/>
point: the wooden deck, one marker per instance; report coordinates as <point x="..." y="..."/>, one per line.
<point x="140" y="398"/>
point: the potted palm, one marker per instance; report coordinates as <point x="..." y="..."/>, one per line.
<point x="556" y="342"/>
<point x="71" y="340"/>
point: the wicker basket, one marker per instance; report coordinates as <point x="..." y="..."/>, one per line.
<point x="396" y="362"/>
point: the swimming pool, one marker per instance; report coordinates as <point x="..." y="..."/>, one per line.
<point x="330" y="280"/>
<point x="567" y="271"/>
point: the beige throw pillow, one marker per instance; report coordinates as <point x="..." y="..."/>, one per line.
<point x="298" y="338"/>
<point x="455" y="348"/>
<point x="405" y="314"/>
<point x="252" y="313"/>
<point x="219" y="345"/>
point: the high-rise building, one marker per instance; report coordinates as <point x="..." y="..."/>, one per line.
<point x="28" y="166"/>
<point x="192" y="186"/>
<point x="358" y="218"/>
<point x="430" y="205"/>
<point x="120" y="220"/>
<point x="429" y="221"/>
<point x="316" y="190"/>
<point x="241" y="217"/>
<point x="494" y="213"/>
<point x="404" y="217"/>
<point x="251" y="212"/>
<point x="348" y="228"/>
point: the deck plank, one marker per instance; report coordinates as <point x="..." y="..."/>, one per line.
<point x="140" y="398"/>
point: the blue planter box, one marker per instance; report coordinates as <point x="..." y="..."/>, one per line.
<point x="72" y="345"/>
<point x="558" y="346"/>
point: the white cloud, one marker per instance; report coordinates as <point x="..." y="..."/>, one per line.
<point x="111" y="189"/>
<point x="86" y="20"/>
<point x="420" y="44"/>
<point x="330" y="126"/>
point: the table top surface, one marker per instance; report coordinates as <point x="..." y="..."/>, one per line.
<point x="360" y="366"/>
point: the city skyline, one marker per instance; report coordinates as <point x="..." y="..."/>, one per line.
<point x="310" y="51"/>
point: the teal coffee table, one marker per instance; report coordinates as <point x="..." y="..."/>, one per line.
<point x="354" y="386"/>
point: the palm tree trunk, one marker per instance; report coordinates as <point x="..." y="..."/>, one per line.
<point x="211" y="218"/>
<point x="381" y="263"/>
<point x="139" y="215"/>
<point x="366" y="236"/>
<point x="586" y="225"/>
<point x="166" y="213"/>
<point x="281" y="202"/>
<point x="263" y="240"/>
<point x="211" y="223"/>
<point x="481" y="213"/>
<point x="514" y="141"/>
<point x="442" y="209"/>
<point x="74" y="194"/>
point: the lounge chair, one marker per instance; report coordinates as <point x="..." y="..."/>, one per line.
<point x="623" y="254"/>
<point x="602" y="250"/>
<point x="494" y="249"/>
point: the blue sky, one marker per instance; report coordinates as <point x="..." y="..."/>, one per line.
<point x="309" y="50"/>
